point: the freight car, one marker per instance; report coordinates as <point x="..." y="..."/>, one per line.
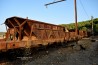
<point x="26" y="33"/>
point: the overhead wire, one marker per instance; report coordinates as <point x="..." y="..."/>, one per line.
<point x="84" y="8"/>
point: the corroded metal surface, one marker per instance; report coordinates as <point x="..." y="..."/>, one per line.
<point x="25" y="33"/>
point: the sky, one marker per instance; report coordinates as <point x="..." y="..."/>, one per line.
<point x="59" y="13"/>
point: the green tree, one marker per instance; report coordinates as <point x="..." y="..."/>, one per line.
<point x="96" y="28"/>
<point x="84" y="29"/>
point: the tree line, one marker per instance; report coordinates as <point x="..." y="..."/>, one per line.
<point x="84" y="25"/>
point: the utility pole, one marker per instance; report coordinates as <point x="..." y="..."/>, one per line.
<point x="75" y="13"/>
<point x="92" y="25"/>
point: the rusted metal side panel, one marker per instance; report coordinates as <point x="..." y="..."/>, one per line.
<point x="13" y="45"/>
<point x="85" y="34"/>
<point x="10" y="45"/>
<point x="67" y="36"/>
<point x="3" y="46"/>
<point x="81" y="33"/>
<point x="72" y="35"/>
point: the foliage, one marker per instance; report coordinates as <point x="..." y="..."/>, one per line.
<point x="84" y="25"/>
<point x="96" y="27"/>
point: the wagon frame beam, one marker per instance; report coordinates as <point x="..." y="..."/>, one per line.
<point x="11" y="23"/>
<point x="17" y="21"/>
<point x="20" y="27"/>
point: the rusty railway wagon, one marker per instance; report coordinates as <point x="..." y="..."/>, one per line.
<point x="26" y="33"/>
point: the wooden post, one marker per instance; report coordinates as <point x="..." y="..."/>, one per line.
<point x="92" y="25"/>
<point x="75" y="12"/>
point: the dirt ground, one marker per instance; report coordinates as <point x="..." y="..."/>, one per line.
<point x="62" y="55"/>
<point x="69" y="56"/>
